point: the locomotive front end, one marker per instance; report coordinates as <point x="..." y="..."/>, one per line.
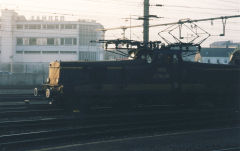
<point x="52" y="88"/>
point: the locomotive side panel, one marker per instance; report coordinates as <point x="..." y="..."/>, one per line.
<point x="128" y="83"/>
<point x="211" y="84"/>
<point x="115" y="82"/>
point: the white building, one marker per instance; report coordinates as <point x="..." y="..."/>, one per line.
<point x="216" y="55"/>
<point x="46" y="39"/>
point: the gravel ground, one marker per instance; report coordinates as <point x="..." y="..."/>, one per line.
<point x="16" y="91"/>
<point x="225" y="139"/>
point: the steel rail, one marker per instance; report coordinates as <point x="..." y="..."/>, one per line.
<point x="107" y="130"/>
<point x="58" y="122"/>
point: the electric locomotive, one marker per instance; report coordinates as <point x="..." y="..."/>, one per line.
<point x="155" y="75"/>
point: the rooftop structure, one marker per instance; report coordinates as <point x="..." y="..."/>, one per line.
<point x="224" y="44"/>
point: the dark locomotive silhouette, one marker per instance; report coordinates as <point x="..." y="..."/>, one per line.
<point x="235" y="58"/>
<point x="155" y="75"/>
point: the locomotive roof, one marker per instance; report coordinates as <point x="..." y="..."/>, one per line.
<point x="86" y="63"/>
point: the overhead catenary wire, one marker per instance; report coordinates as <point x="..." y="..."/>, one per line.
<point x="70" y="14"/>
<point x="195" y="7"/>
<point x="74" y="15"/>
<point x="178" y="22"/>
<point x="229" y="7"/>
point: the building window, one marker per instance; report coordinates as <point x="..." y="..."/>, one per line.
<point x="62" y="41"/>
<point x="19" y="41"/>
<point x="25" y="41"/>
<point x="68" y="26"/>
<point x="44" y="41"/>
<point x="87" y="56"/>
<point x="68" y="52"/>
<point x="32" y="41"/>
<point x="34" y="26"/>
<point x="51" y="26"/>
<point x="57" y="41"/>
<point x="62" y="26"/>
<point x="32" y="52"/>
<point x="19" y="26"/>
<point x="44" y="26"/>
<point x="50" y="52"/>
<point x="50" y="41"/>
<point x="74" y="26"/>
<point x="25" y="26"/>
<point x="68" y="41"/>
<point x="19" y="52"/>
<point x="39" y="41"/>
<point x="74" y="41"/>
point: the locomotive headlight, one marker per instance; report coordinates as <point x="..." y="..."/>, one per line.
<point x="48" y="93"/>
<point x="132" y="55"/>
<point x="35" y="92"/>
<point x="48" y="80"/>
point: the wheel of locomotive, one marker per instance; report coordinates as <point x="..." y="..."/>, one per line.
<point x="149" y="58"/>
<point x="35" y="92"/>
<point x="48" y="93"/>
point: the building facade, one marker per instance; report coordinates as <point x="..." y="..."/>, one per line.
<point x="46" y="39"/>
<point x="216" y="55"/>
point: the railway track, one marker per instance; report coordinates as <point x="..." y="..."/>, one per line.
<point x="16" y="97"/>
<point x="20" y="106"/>
<point x="18" y="100"/>
<point x="27" y="126"/>
<point x="77" y="128"/>
<point x="64" y="120"/>
<point x="30" y="113"/>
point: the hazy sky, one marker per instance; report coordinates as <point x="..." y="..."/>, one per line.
<point x="111" y="13"/>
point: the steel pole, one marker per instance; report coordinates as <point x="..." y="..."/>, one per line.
<point x="146" y="22"/>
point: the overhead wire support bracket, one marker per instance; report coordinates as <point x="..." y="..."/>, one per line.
<point x="180" y="31"/>
<point x="224" y="22"/>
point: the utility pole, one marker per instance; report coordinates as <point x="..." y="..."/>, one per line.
<point x="146" y="22"/>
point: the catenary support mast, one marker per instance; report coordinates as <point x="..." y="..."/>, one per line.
<point x="146" y="22"/>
